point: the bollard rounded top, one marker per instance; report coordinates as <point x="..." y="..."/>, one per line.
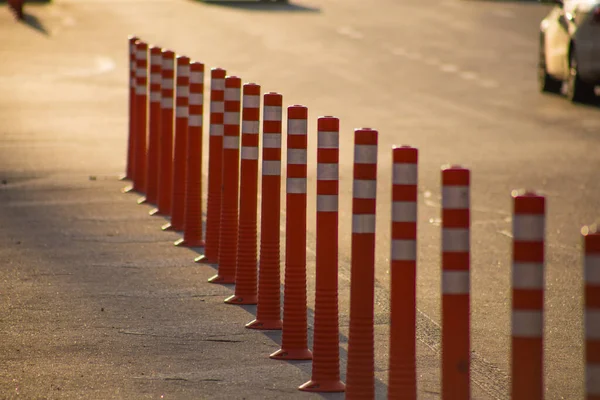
<point x="328" y="124"/>
<point x="233" y="82"/>
<point x="197" y="66"/>
<point x="166" y="53"/>
<point x="528" y="202"/>
<point x="218" y="73"/>
<point x="297" y="112"/>
<point x="591" y="239"/>
<point x="273" y="99"/>
<point x="366" y="136"/>
<point x="405" y="155"/>
<point x="455" y="175"/>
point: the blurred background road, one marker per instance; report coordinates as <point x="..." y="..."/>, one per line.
<point x="455" y="78"/>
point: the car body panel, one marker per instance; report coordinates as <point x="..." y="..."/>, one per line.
<point x="567" y="25"/>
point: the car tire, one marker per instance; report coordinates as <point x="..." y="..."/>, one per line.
<point x="546" y="83"/>
<point x="577" y="90"/>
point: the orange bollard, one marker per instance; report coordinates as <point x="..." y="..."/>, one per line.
<point x="215" y="167"/>
<point x="231" y="163"/>
<point x="17" y="8"/>
<point x="141" y="112"/>
<point x="153" y="127"/>
<point x="326" y="351"/>
<point x="180" y="144"/>
<point x="360" y="380"/>
<point x="268" y="309"/>
<point x="245" y="275"/>
<point x="528" y="296"/>
<point x="591" y="248"/>
<point x="402" y="377"/>
<point x="294" y="343"/>
<point x="130" y="165"/>
<point x="192" y="232"/>
<point x="455" y="283"/>
<point x="165" y="154"/>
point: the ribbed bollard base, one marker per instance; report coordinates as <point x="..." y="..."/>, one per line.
<point x="323" y="386"/>
<point x="186" y="243"/>
<point x="222" y="279"/>
<point x="244" y="300"/>
<point x="292" y="354"/>
<point x="266" y="325"/>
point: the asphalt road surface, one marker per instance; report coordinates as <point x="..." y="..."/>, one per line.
<point x="455" y="78"/>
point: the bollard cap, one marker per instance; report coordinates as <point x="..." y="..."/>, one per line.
<point x="328" y="124"/>
<point x="455" y="175"/>
<point x="366" y="136"/>
<point x="528" y="202"/>
<point x="273" y="99"/>
<point x="405" y="155"/>
<point x="233" y="82"/>
<point x="297" y="112"/>
<point x="591" y="239"/>
<point x="197" y="67"/>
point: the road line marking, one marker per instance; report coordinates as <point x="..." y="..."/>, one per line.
<point x="450" y="68"/>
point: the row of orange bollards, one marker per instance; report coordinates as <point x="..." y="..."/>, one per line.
<point x="164" y="163"/>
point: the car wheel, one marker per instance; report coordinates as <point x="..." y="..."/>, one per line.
<point x="577" y="90"/>
<point x="546" y="83"/>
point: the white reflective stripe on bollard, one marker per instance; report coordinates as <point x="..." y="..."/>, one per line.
<point x="527" y="323"/>
<point x="271" y="167"/>
<point x="363" y="223"/>
<point x="231" y="142"/>
<point x="271" y="140"/>
<point x="297" y="127"/>
<point x="327" y="172"/>
<point x="328" y="140"/>
<point x="296" y="185"/>
<point x="404" y="250"/>
<point x="455" y="197"/>
<point x="364" y="189"/>
<point x="365" y="154"/>
<point x="272" y="113"/>
<point x="527" y="275"/>
<point x="455" y="240"/>
<point x="327" y="202"/>
<point x="404" y="211"/>
<point x="249" y="153"/>
<point x="455" y="282"/>
<point x="528" y="227"/>
<point x="250" y="127"/>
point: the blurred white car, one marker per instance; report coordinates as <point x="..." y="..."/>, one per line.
<point x="570" y="49"/>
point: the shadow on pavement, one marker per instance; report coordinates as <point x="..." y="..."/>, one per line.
<point x="34" y="22"/>
<point x="262" y="6"/>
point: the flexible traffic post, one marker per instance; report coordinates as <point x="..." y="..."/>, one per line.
<point x="215" y="165"/>
<point x="268" y="309"/>
<point x="180" y="145"/>
<point x="246" y="274"/>
<point x="130" y="165"/>
<point x="231" y="163"/>
<point x="141" y="112"/>
<point x="152" y="166"/>
<point x="402" y="375"/>
<point x="294" y="341"/>
<point x="165" y="154"/>
<point x="326" y="352"/>
<point x="456" y="224"/>
<point x="528" y="296"/>
<point x="591" y="301"/>
<point x="360" y="377"/>
<point x="192" y="227"/>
